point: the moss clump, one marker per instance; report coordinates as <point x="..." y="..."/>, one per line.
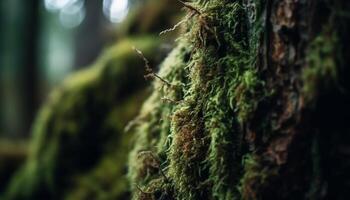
<point x="215" y="88"/>
<point x="230" y="125"/>
<point x="153" y="136"/>
<point x="82" y="121"/>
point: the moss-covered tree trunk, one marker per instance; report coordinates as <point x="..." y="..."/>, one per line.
<point x="253" y="104"/>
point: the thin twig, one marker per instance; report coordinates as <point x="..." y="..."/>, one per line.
<point x="149" y="70"/>
<point x="190" y="7"/>
<point x="173" y="28"/>
<point x="147" y="66"/>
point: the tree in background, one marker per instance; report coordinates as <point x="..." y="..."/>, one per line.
<point x="19" y="66"/>
<point x="79" y="149"/>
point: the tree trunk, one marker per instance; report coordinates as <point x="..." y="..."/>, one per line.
<point x="252" y="104"/>
<point x="18" y="60"/>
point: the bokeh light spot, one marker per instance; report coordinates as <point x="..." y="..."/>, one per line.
<point x="115" y="10"/>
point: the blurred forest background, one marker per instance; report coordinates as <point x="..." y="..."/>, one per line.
<point x="42" y="41"/>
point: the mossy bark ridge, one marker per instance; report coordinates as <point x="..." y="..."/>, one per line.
<point x="255" y="108"/>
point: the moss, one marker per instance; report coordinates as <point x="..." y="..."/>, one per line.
<point x="236" y="126"/>
<point x="321" y="71"/>
<point x="257" y="175"/>
<point x="154" y="136"/>
<point x="74" y="129"/>
<point x="289" y="153"/>
<point x="107" y="180"/>
<point x="197" y="135"/>
<point x="210" y="130"/>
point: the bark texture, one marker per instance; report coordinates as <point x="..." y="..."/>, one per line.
<point x="252" y="104"/>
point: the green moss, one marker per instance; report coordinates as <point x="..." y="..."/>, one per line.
<point x="262" y="173"/>
<point x="197" y="135"/>
<point x="321" y="70"/>
<point x="227" y="128"/>
<point x="256" y="176"/>
<point x="152" y="133"/>
<point x="223" y="83"/>
<point x="107" y="179"/>
<point x="82" y="120"/>
<point x="190" y="138"/>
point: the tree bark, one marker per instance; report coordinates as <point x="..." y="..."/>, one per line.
<point x="258" y="105"/>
